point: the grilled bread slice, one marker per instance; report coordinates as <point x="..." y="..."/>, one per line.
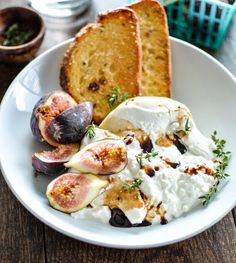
<point x="156" y="71"/>
<point x="104" y="58"/>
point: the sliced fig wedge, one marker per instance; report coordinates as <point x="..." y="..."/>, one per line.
<point x="71" y="124"/>
<point x="52" y="162"/>
<point x="71" y="191"/>
<point x="102" y="157"/>
<point x="45" y="110"/>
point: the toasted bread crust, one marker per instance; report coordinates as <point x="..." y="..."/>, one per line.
<point x="66" y="63"/>
<point x="127" y="73"/>
<point x="156" y="68"/>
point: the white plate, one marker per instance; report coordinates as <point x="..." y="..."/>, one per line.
<point x="199" y="81"/>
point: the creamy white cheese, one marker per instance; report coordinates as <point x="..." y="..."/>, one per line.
<point x="136" y="215"/>
<point x="156" y="116"/>
<point x="176" y="188"/>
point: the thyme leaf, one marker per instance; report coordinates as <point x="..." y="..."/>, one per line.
<point x="141" y="157"/>
<point x="134" y="184"/>
<point x="187" y="127"/>
<point x="223" y="160"/>
<point x="207" y="197"/>
<point x="116" y="97"/>
<point x="124" y="97"/>
<point x="90" y="130"/>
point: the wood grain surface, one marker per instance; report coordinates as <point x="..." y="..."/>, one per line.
<point x="24" y="239"/>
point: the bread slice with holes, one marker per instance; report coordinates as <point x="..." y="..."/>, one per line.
<point x="156" y="64"/>
<point x="104" y="55"/>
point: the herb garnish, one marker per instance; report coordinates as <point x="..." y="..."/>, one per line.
<point x="223" y="159"/>
<point x="141" y="157"/>
<point x="16" y="35"/>
<point x="124" y="96"/>
<point x="116" y="97"/>
<point x="90" y="131"/>
<point x="187" y="127"/>
<point x="134" y="184"/>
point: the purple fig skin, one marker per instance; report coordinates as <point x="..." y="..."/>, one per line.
<point x="71" y="124"/>
<point x="35" y="119"/>
<point x="52" y="162"/>
<point x="55" y="168"/>
<point x="47" y="108"/>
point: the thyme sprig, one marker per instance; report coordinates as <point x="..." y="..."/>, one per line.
<point x="223" y="160"/>
<point x="124" y="96"/>
<point x="134" y="184"/>
<point x="116" y="97"/>
<point x="141" y="157"/>
<point x="187" y="127"/>
<point x="90" y="130"/>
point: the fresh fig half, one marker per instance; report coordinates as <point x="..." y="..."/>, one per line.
<point x="102" y="157"/>
<point x="52" y="162"/>
<point x="71" y="124"/>
<point x="71" y="191"/>
<point x="45" y="110"/>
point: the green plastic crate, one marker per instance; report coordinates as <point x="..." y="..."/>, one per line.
<point x="201" y="22"/>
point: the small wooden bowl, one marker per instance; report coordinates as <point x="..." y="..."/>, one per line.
<point x="24" y="16"/>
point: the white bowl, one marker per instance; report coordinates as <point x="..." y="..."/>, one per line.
<point x="199" y="81"/>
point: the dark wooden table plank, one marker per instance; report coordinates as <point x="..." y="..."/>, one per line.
<point x="22" y="236"/>
<point x="218" y="244"/>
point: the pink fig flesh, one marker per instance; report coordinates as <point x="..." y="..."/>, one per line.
<point x="71" y="191"/>
<point x="102" y="157"/>
<point x="45" y="110"/>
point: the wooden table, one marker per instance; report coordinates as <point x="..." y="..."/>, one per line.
<point x="25" y="239"/>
